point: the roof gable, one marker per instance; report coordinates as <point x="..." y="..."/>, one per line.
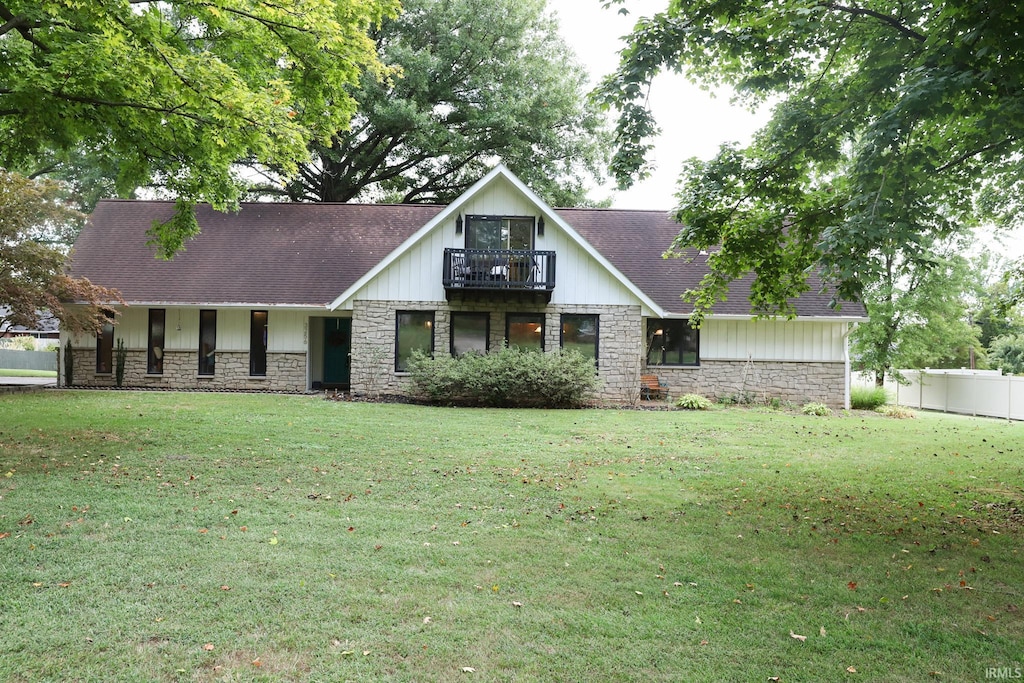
<point x="497" y="175"/>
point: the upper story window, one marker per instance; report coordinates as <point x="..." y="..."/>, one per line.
<point x="672" y="342"/>
<point x="499" y="232"/>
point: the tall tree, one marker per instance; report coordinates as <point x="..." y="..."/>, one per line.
<point x="898" y="121"/>
<point x="34" y="225"/>
<point x="477" y="80"/>
<point x="177" y="91"/>
<point x="919" y="314"/>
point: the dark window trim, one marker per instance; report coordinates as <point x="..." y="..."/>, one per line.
<point x="597" y="333"/>
<point x="469" y="314"/>
<point x="509" y="317"/>
<point x="261" y="355"/>
<point x="650" y="340"/>
<point x="211" y="366"/>
<point x="155" y="353"/>
<point x="433" y="332"/>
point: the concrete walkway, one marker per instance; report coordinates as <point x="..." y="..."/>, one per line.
<point x="11" y="384"/>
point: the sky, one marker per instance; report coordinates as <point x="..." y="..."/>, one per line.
<point x="693" y="122"/>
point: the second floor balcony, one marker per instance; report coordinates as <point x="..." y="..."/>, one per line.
<point x="499" y="270"/>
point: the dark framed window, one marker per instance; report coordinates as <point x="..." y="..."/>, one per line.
<point x="499" y="232"/>
<point x="525" y="330"/>
<point x="207" y="342"/>
<point x="258" y="344"/>
<point x="155" y="345"/>
<point x="105" y="348"/>
<point x="471" y="332"/>
<point x="672" y="342"/>
<point x="414" y="331"/>
<point x="581" y="333"/>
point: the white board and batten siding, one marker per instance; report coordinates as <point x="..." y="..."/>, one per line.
<point x="417" y="274"/>
<point x="773" y="340"/>
<point x="287" y="329"/>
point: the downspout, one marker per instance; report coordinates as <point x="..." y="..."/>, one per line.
<point x="846" y="364"/>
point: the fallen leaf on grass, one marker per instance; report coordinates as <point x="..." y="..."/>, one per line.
<point x="427" y="620"/>
<point x="225" y="588"/>
<point x="516" y="603"/>
<point x="468" y="670"/>
<point x="851" y="670"/>
<point x="852" y="585"/>
<point x="797" y="636"/>
<point x="273" y="541"/>
<point x="257" y="663"/>
<point x="208" y="647"/>
<point x="821" y="632"/>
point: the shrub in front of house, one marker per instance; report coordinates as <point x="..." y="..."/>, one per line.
<point x="818" y="409"/>
<point x="511" y="377"/>
<point x="693" y="402"/>
<point x="868" y="398"/>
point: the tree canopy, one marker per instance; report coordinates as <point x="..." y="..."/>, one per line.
<point x="477" y="80"/>
<point x="895" y="121"/>
<point x="178" y="91"/>
<point x="34" y="220"/>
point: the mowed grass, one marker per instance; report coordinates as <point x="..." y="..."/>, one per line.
<point x="205" y="537"/>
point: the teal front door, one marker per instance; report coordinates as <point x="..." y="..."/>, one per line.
<point x="337" y="347"/>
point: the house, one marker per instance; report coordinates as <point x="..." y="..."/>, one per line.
<point x="298" y="297"/>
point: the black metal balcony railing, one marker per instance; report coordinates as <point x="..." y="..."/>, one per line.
<point x="499" y="269"/>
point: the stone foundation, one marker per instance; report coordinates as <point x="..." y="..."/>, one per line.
<point x="758" y="381"/>
<point x="285" y="371"/>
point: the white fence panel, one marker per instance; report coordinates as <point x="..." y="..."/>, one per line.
<point x="978" y="392"/>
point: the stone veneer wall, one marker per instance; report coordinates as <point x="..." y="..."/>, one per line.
<point x="285" y="371"/>
<point x="798" y="382"/>
<point x="373" y="340"/>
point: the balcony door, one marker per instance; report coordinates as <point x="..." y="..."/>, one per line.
<point x="499" y="232"/>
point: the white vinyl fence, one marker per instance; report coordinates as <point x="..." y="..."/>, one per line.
<point x="968" y="392"/>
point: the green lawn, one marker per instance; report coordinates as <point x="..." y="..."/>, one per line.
<point x="207" y="537"/>
<point x="27" y="373"/>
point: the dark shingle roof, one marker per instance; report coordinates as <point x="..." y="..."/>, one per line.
<point x="308" y="254"/>
<point x="304" y="254"/>
<point x="633" y="241"/>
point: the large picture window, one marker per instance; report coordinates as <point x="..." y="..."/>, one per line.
<point x="414" y="331"/>
<point x="258" y="344"/>
<point x="470" y="332"/>
<point x="207" y="341"/>
<point x="105" y="348"/>
<point x="525" y="330"/>
<point x="580" y="332"/>
<point x="672" y="342"/>
<point x="499" y="232"/>
<point x="155" y="348"/>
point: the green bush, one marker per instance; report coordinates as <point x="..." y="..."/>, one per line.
<point x="22" y="343"/>
<point x="693" y="402"/>
<point x="819" y="409"/>
<point x="511" y="377"/>
<point x="868" y="398"/>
